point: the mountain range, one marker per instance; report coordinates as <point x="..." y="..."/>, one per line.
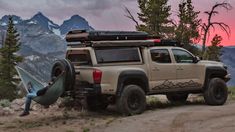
<point x="75" y="22"/>
<point x="228" y="58"/>
<point x="42" y="42"/>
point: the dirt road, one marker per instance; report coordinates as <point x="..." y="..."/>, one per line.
<point x="193" y="117"/>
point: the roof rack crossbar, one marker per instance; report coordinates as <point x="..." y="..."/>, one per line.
<point x="127" y="43"/>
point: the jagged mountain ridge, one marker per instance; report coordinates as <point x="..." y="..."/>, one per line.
<point x="4" y="20"/>
<point x="42" y="41"/>
<point x="75" y="22"/>
<point x="45" y="22"/>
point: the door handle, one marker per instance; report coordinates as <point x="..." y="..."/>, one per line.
<point x="179" y="68"/>
<point x="155" y="69"/>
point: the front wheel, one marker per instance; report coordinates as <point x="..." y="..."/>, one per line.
<point x="216" y="92"/>
<point x="132" y="100"/>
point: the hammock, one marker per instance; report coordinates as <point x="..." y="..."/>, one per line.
<point x="52" y="94"/>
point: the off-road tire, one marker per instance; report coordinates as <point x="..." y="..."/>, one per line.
<point x="131" y="101"/>
<point x="66" y="66"/>
<point x="216" y="93"/>
<point x="177" y="97"/>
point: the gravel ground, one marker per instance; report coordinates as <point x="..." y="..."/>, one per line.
<point x="161" y="117"/>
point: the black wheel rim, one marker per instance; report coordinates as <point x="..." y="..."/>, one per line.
<point x="134" y="101"/>
<point x="219" y="92"/>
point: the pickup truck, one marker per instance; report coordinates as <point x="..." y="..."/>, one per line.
<point x="124" y="72"/>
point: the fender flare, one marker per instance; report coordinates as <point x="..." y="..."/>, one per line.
<point x="132" y="74"/>
<point x="213" y="71"/>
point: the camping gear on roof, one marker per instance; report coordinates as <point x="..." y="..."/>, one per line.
<point x="84" y="38"/>
<point x="83" y="35"/>
<point x="51" y="95"/>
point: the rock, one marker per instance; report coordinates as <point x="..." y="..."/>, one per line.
<point x="19" y="101"/>
<point x="1" y="111"/>
<point x="16" y="107"/>
<point x="17" y="104"/>
<point x="36" y="107"/>
<point x="6" y="111"/>
<point x="195" y="98"/>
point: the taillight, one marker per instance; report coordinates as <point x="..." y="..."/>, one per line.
<point x="97" y="75"/>
<point x="157" y="40"/>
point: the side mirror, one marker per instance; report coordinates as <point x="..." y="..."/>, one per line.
<point x="196" y="59"/>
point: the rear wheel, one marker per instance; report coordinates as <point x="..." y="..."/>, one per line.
<point x="177" y="97"/>
<point x="132" y="100"/>
<point x="216" y="92"/>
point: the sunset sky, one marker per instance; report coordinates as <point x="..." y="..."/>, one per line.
<point x="108" y="14"/>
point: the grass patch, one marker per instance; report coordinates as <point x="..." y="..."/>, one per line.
<point x="31" y="125"/>
<point x="1" y="123"/>
<point x="86" y="130"/>
<point x="10" y="126"/>
<point x="231" y="91"/>
<point x="69" y="131"/>
<point x="5" y="103"/>
<point x="110" y="120"/>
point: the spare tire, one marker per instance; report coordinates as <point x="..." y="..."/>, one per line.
<point x="66" y="66"/>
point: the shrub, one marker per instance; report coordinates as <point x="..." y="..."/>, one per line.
<point x="5" y="103"/>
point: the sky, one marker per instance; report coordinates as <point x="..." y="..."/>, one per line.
<point x="109" y="14"/>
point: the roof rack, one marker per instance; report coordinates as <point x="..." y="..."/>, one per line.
<point x="125" y="43"/>
<point x="83" y="38"/>
<point x="83" y="35"/>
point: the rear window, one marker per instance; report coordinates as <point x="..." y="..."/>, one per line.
<point x="117" y="55"/>
<point x="79" y="57"/>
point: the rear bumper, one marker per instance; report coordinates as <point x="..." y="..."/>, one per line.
<point x="91" y="90"/>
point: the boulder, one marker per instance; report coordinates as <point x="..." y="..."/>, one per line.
<point x="6" y="111"/>
<point x="17" y="104"/>
<point x="18" y="101"/>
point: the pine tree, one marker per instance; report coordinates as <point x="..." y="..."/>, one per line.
<point x="187" y="30"/>
<point x="8" y="59"/>
<point x="213" y="51"/>
<point x="154" y="14"/>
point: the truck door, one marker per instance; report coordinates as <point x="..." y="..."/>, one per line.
<point x="162" y="70"/>
<point x="187" y="71"/>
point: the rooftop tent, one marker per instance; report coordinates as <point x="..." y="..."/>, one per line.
<point x="83" y="38"/>
<point x="53" y="92"/>
<point x="83" y="35"/>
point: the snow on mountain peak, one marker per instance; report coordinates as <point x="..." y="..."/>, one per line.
<point x="44" y="21"/>
<point x="4" y="19"/>
<point x="39" y="19"/>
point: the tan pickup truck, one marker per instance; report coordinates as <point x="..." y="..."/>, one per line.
<point x="124" y="71"/>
